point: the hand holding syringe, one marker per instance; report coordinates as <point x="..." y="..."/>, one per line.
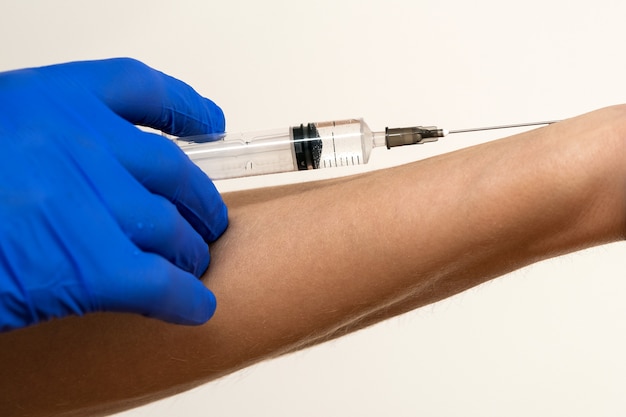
<point x="316" y="145"/>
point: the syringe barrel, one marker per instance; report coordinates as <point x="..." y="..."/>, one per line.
<point x="311" y="146"/>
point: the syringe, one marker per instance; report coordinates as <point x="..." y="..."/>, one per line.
<point x="312" y="146"/>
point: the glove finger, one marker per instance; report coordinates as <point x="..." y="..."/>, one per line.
<point x="162" y="168"/>
<point x="139" y="281"/>
<point x="150" y="221"/>
<point x="155" y="288"/>
<point x="154" y="225"/>
<point x="145" y="96"/>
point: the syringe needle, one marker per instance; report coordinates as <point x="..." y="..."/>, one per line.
<point x="424" y="134"/>
<point x="479" y="129"/>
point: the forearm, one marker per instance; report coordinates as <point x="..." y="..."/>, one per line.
<point x="297" y="267"/>
<point x="500" y="206"/>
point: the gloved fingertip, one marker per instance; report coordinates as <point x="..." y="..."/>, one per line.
<point x="156" y="288"/>
<point x="187" y="113"/>
<point x="217" y="120"/>
<point x="221" y="221"/>
<point x="204" y="209"/>
<point x="198" y="308"/>
<point x="210" y="307"/>
<point x="201" y="309"/>
<point x="203" y="118"/>
<point x="202" y="263"/>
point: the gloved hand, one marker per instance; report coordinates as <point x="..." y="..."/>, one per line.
<point x="96" y="215"/>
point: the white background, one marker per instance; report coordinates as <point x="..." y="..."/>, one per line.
<point x="547" y="340"/>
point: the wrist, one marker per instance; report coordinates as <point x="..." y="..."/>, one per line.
<point x="610" y="163"/>
<point x="594" y="146"/>
<point x="619" y="152"/>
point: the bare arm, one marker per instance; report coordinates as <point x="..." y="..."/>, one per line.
<point x="294" y="270"/>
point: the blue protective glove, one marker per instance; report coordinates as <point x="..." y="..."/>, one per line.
<point x="96" y="215"/>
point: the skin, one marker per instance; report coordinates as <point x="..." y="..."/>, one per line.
<point x="294" y="270"/>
